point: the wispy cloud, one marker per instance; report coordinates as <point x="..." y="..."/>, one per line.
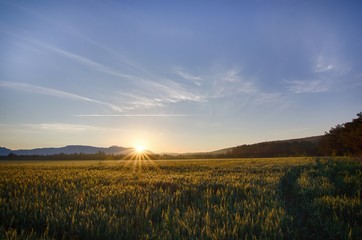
<point x="86" y="61"/>
<point x="322" y="65"/>
<point x="328" y="72"/>
<point x="151" y="94"/>
<point x="59" y="127"/>
<point x="232" y="83"/>
<point x="148" y="93"/>
<point x="135" y="115"/>
<point x="139" y="100"/>
<point x="323" y="68"/>
<point x="188" y="76"/>
<point x="112" y="52"/>
<point x="262" y="97"/>
<point x="55" y="93"/>
<point x="171" y="92"/>
<point x="332" y="64"/>
<point x="231" y="76"/>
<point x="304" y="86"/>
<point x="67" y="128"/>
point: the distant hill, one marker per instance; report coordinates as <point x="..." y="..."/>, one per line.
<point x="72" y="149"/>
<point x="4" y="151"/>
<point x="314" y="139"/>
<point x="308" y="146"/>
<point x="221" y="151"/>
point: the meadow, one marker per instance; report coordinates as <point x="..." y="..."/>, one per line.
<point x="275" y="198"/>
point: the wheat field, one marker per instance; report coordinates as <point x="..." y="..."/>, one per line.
<point x="276" y="198"/>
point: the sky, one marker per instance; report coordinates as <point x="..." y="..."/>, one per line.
<point x="176" y="76"/>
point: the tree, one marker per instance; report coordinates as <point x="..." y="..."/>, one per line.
<point x="344" y="139"/>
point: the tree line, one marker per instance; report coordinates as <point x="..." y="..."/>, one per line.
<point x="289" y="148"/>
<point x="342" y="140"/>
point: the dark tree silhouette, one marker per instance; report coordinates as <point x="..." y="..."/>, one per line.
<point x="344" y="139"/>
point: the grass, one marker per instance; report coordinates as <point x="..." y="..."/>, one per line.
<point x="285" y="198"/>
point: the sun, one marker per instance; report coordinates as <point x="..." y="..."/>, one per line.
<point x="140" y="158"/>
<point x="139" y="149"/>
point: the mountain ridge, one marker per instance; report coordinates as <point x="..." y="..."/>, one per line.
<point x="69" y="149"/>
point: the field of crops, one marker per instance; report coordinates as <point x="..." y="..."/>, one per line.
<point x="286" y="198"/>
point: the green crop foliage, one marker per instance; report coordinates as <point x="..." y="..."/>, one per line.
<point x="285" y="198"/>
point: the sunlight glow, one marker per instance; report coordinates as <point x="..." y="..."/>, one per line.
<point x="139" y="149"/>
<point x="140" y="159"/>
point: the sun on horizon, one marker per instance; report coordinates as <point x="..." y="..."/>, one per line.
<point x="139" y="149"/>
<point x="139" y="158"/>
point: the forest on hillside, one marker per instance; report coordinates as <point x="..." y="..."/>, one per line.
<point x="342" y="140"/>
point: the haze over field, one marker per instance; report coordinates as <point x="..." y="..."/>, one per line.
<point x="176" y="76"/>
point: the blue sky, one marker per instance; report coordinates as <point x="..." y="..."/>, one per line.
<point x="176" y="76"/>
